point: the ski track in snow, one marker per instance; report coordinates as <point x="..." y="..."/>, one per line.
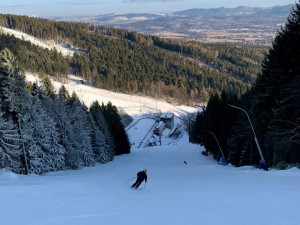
<point x="201" y="192"/>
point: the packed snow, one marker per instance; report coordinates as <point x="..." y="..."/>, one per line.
<point x="199" y="192"/>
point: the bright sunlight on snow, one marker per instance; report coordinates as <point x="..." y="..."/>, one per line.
<point x="63" y="48"/>
<point x="199" y="192"/>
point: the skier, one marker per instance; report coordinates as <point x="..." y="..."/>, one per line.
<point x="141" y="176"/>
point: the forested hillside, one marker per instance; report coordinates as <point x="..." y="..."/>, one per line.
<point x="129" y="62"/>
<point x="32" y="58"/>
<point x="273" y="104"/>
<point x="41" y="131"/>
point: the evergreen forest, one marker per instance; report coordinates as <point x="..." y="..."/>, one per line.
<point x="273" y="106"/>
<point x="129" y="62"/>
<point x="41" y="131"/>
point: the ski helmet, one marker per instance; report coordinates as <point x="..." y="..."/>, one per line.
<point x="145" y="170"/>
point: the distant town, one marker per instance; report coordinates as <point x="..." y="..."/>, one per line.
<point x="244" y="25"/>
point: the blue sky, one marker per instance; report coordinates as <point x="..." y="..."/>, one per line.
<point x="68" y="8"/>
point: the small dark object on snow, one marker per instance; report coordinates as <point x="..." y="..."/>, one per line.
<point x="185" y="162"/>
<point x="204" y="153"/>
<point x="223" y="161"/>
<point x="141" y="176"/>
<point x="263" y="165"/>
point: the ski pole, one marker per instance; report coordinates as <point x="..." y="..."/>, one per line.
<point x="145" y="185"/>
<point x="129" y="179"/>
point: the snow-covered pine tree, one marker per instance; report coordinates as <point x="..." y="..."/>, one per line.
<point x="45" y="154"/>
<point x="34" y="125"/>
<point x="36" y="90"/>
<point x="13" y="95"/>
<point x="16" y="101"/>
<point x="95" y="111"/>
<point x="100" y="147"/>
<point x="49" y="136"/>
<point x="81" y="130"/>
<point x="10" y="146"/>
<point x="57" y="108"/>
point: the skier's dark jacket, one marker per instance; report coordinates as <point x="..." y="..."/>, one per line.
<point x="141" y="176"/>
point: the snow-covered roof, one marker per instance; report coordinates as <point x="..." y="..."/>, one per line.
<point x="167" y="115"/>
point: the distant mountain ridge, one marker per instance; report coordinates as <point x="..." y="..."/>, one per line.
<point x="222" y="11"/>
<point x="247" y="25"/>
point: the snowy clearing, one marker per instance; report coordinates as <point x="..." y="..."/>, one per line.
<point x="63" y="48"/>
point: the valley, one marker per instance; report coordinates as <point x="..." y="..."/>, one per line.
<point x="240" y="25"/>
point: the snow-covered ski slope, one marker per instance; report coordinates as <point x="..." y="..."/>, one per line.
<point x="63" y="48"/>
<point x="136" y="106"/>
<point x="200" y="192"/>
<point x="141" y="109"/>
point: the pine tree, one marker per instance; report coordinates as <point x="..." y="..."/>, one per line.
<point x="211" y="117"/>
<point x="45" y="154"/>
<point x="37" y="130"/>
<point x="15" y="98"/>
<point x="101" y="123"/>
<point x="116" y="128"/>
<point x="101" y="149"/>
<point x="47" y="86"/>
<point x="57" y="108"/>
<point x="82" y="134"/>
<point x="272" y="106"/>
<point x="10" y="146"/>
<point x="63" y="93"/>
<point x="198" y="129"/>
